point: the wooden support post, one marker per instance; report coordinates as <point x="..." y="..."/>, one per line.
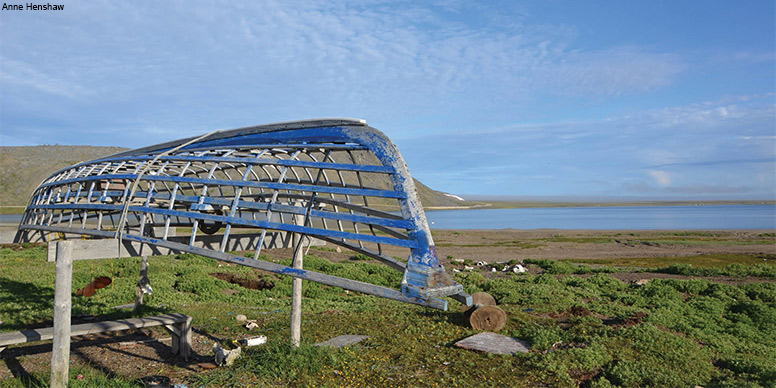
<point x="60" y="353"/>
<point x="296" y="294"/>
<point x="143" y="283"/>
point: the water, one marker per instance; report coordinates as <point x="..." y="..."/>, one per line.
<point x="616" y="217"/>
<point x="10" y="219"/>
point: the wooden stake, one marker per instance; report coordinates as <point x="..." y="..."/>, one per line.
<point x="296" y="294"/>
<point x="60" y="354"/>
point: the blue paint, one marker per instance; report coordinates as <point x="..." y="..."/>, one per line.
<point x="424" y="278"/>
<point x="293" y="272"/>
<point x="265" y="161"/>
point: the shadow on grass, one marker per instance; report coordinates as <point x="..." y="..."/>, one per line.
<point x="26" y="297"/>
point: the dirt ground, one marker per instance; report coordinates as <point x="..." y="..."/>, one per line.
<point x="501" y="246"/>
<point x="147" y="352"/>
<point x="505" y="245"/>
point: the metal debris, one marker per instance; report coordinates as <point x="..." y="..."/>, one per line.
<point x="253" y="341"/>
<point x="225" y="356"/>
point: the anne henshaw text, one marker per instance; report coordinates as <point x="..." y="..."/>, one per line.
<point x="33" y="7"/>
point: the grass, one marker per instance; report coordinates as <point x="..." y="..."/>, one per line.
<point x="736" y="270"/>
<point x="687" y="238"/>
<point x="12" y="209"/>
<point x="559" y="267"/>
<point x="513" y="244"/>
<point x="580" y="240"/>
<point x="717" y="260"/>
<point x="593" y="332"/>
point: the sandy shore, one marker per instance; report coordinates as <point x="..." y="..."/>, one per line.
<point x="509" y="244"/>
<point x="513" y="244"/>
<point x="500" y="246"/>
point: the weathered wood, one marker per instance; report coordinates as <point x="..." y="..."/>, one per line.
<point x="490" y="318"/>
<point x="480" y="298"/>
<point x="494" y="343"/>
<point x="108" y="248"/>
<point x="343" y="341"/>
<point x="178" y="324"/>
<point x="296" y="295"/>
<point x="185" y="339"/>
<point x="60" y="353"/>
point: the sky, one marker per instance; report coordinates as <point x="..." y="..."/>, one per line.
<point x="615" y="99"/>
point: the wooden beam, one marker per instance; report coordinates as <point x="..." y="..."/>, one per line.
<point x="109" y="248"/>
<point x="60" y="354"/>
<point x="47" y="333"/>
<point x="296" y="294"/>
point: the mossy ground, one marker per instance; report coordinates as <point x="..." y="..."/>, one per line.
<point x="592" y="332"/>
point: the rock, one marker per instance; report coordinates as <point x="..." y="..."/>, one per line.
<point x="343" y="341"/>
<point x="640" y="282"/>
<point x="494" y="343"/>
<point x="493" y="270"/>
<point x="241" y="318"/>
<point x="467" y="268"/>
<point x="207" y="365"/>
<point x="457" y="260"/>
<point x="518" y="269"/>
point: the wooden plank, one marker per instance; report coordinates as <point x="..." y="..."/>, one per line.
<point x="31" y="335"/>
<point x="109" y="248"/>
<point x="343" y="341"/>
<point x="494" y="343"/>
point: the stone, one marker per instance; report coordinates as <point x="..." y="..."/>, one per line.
<point x="494" y="343"/>
<point x="343" y="341"/>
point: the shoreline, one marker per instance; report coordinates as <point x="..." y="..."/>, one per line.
<point x="15" y="209"/>
<point x="542" y="204"/>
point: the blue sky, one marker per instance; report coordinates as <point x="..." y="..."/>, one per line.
<point x="658" y="99"/>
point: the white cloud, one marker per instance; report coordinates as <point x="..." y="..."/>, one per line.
<point x="662" y="178"/>
<point x="340" y="53"/>
<point x="20" y="73"/>
<point x="667" y="151"/>
<point x="610" y="72"/>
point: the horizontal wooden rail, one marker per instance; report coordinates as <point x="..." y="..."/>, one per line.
<point x="179" y="326"/>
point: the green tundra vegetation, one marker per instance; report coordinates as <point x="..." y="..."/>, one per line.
<point x="590" y="331"/>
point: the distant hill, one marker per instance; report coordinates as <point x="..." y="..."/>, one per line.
<point x="22" y="169"/>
